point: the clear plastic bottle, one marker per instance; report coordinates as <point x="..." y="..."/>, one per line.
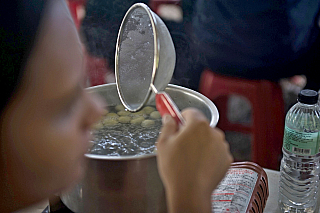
<point x="299" y="170"/>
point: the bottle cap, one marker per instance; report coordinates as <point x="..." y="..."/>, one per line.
<point x="308" y="96"/>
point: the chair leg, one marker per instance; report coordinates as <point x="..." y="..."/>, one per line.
<point x="222" y="106"/>
<point x="275" y="126"/>
<point x="267" y="127"/>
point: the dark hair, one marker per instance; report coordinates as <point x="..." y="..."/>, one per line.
<point x="19" y="22"/>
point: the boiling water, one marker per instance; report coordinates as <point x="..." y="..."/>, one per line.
<point x="114" y="138"/>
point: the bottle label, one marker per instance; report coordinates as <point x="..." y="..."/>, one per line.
<point x="234" y="191"/>
<point x="301" y="143"/>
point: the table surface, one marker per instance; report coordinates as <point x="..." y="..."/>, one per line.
<point x="273" y="183"/>
<point x="271" y="207"/>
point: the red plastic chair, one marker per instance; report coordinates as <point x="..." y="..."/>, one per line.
<point x="267" y="113"/>
<point x="97" y="67"/>
<point x="154" y="4"/>
<point x="73" y="7"/>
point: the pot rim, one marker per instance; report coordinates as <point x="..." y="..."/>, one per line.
<point x="120" y="158"/>
<point x="212" y="107"/>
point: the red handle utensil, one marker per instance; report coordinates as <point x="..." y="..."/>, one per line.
<point x="165" y="105"/>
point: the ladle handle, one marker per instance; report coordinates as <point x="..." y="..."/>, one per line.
<point x="165" y="105"/>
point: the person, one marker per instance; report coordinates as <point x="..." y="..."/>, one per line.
<point x="268" y="40"/>
<point x="46" y="117"/>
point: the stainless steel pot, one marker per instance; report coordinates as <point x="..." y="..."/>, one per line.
<point x="129" y="183"/>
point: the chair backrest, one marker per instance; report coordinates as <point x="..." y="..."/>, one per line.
<point x="75" y="6"/>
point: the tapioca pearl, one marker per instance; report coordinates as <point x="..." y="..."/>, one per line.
<point x="148" y="109"/>
<point x="144" y="145"/>
<point x="105" y="112"/>
<point x="110" y="122"/>
<point x="112" y="116"/>
<point x="91" y="144"/>
<point x="155" y="115"/>
<point x="124" y="119"/>
<point x="138" y="114"/>
<point x="120" y="108"/>
<point x="137" y="121"/>
<point x="97" y="125"/>
<point x="148" y="123"/>
<point x="123" y="113"/>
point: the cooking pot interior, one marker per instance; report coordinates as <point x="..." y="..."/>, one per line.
<point x="183" y="97"/>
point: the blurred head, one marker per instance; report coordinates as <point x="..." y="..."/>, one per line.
<point x="45" y="123"/>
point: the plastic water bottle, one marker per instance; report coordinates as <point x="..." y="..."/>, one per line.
<point x="299" y="170"/>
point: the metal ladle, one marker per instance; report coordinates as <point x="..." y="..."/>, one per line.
<point x="144" y="61"/>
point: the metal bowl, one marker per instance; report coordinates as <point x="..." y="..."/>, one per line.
<point x="129" y="183"/>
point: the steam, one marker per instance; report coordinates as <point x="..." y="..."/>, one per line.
<point x="99" y="31"/>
